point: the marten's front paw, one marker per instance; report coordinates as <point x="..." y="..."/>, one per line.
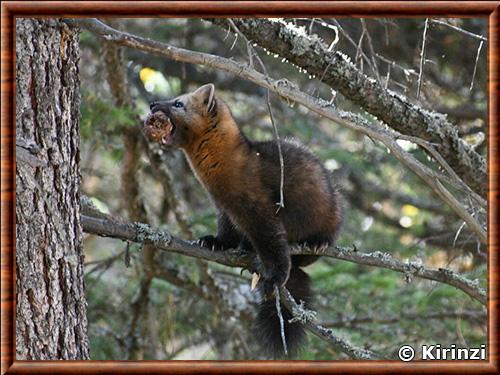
<point x="211" y="242"/>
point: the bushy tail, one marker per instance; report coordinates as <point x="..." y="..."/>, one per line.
<point x="267" y="327"/>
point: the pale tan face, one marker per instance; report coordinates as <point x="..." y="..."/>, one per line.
<point x="188" y="116"/>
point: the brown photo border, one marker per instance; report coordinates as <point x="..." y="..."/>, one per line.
<point x="11" y="9"/>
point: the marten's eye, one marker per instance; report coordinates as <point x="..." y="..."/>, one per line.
<point x="178" y="104"/>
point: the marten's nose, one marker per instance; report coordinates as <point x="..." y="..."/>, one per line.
<point x="160" y="106"/>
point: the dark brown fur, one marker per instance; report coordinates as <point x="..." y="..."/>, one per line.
<point x="243" y="179"/>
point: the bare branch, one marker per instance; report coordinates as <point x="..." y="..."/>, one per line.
<point x="143" y="233"/>
<point x="459" y="29"/>
<point x="281" y="320"/>
<point x="439" y="159"/>
<point x="406" y="71"/>
<point x="355" y="45"/>
<point x="372" y="51"/>
<point x="360" y="48"/>
<point x="422" y="58"/>
<point x="475" y="65"/>
<point x="432" y="178"/>
<point x="162" y="241"/>
<point x="307" y="318"/>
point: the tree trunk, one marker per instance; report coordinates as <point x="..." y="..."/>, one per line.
<point x="51" y="320"/>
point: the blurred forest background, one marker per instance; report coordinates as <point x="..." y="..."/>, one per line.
<point x="194" y="309"/>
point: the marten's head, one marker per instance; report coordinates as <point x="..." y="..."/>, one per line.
<point x="180" y="121"/>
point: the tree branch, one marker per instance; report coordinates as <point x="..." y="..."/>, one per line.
<point x="143" y="233"/>
<point x="459" y="29"/>
<point x="308" y="317"/>
<point x="310" y="53"/>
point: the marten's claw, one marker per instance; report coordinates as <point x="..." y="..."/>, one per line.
<point x="318" y="249"/>
<point x="243" y="269"/>
<point x="210" y="242"/>
<point x="255" y="280"/>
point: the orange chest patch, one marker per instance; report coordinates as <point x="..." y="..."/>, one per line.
<point x="217" y="165"/>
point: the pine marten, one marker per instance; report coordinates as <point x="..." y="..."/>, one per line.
<point x="243" y="180"/>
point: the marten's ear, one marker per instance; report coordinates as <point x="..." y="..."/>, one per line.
<point x="206" y="95"/>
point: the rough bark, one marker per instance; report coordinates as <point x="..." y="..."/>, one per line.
<point x="335" y="69"/>
<point x="51" y="320"/>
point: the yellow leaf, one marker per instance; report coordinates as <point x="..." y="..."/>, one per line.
<point x="409" y="210"/>
<point x="146" y="74"/>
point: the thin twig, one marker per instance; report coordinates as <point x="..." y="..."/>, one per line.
<point x="458" y="233"/>
<point x="386" y="32"/>
<point x="372" y="51"/>
<point x="354" y="44"/>
<point x="406" y="71"/>
<point x="472" y="35"/>
<point x="437" y="156"/>
<point x="422" y="58"/>
<point x="280" y="317"/>
<point x="234" y="41"/>
<point x="311" y="25"/>
<point x="475" y="65"/>
<point x="281" y="203"/>
<point x="126" y="259"/>
<point x="360" y="48"/>
<point x="387" y="77"/>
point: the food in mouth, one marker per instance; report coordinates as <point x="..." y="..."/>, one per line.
<point x="159" y="128"/>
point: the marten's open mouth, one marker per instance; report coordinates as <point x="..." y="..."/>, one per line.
<point x="168" y="133"/>
<point x="158" y="127"/>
